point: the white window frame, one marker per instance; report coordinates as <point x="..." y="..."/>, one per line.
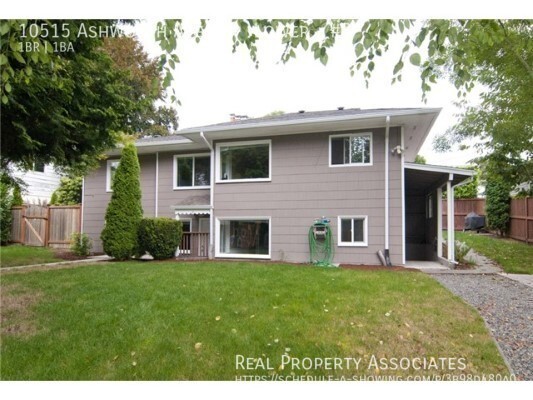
<point x="364" y="243"/>
<point x="175" y="171"/>
<point x="218" y="253"/>
<point x="218" y="166"/>
<point x="352" y="135"/>
<point x="108" y="174"/>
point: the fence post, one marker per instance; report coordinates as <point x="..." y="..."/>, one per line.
<point x="47" y="227"/>
<point x="23" y="225"/>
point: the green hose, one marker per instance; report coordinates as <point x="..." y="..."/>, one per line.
<point x="321" y="246"/>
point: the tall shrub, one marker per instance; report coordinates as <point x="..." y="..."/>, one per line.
<point x="497" y="205"/>
<point x="6" y="200"/>
<point x="124" y="211"/>
<point x="17" y="196"/>
<point x="69" y="191"/>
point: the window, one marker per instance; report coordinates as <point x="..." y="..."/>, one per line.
<point x="244" y="161"/>
<point x="243" y="237"/>
<point x="429" y="207"/>
<point x="192" y="171"/>
<point x="353" y="230"/>
<point x="354" y="149"/>
<point x="111" y="168"/>
<point x="38" y="166"/>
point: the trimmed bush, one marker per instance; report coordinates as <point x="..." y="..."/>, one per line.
<point x="160" y="237"/>
<point x="124" y="211"/>
<point x="69" y="192"/>
<point x="17" y="197"/>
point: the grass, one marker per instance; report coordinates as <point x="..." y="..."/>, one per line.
<point x="16" y="255"/>
<point x="514" y="257"/>
<point x="190" y="321"/>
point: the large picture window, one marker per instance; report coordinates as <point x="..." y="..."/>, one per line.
<point x="192" y="171"/>
<point x="354" y="149"/>
<point x="243" y="237"/>
<point x="353" y="230"/>
<point x="244" y="161"/>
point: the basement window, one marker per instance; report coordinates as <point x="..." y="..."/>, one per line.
<point x="353" y="230"/>
<point x="243" y="237"/>
<point x="352" y="149"/>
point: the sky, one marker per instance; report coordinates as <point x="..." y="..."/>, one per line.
<point x="212" y="82"/>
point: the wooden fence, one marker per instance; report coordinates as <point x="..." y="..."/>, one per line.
<point x="521" y="216"/>
<point x="53" y="226"/>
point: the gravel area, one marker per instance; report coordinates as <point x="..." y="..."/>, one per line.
<point x="507" y="307"/>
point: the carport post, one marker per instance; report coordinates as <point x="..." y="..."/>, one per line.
<point x="439" y="222"/>
<point x="451" y="220"/>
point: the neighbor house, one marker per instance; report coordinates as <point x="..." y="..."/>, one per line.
<point x="41" y="181"/>
<point x="251" y="188"/>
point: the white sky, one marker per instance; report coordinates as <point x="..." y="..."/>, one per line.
<point x="212" y="82"/>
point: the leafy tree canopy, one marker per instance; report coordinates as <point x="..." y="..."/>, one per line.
<point x="68" y="93"/>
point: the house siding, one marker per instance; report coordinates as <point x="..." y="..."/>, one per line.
<point x="95" y="197"/>
<point x="304" y="187"/>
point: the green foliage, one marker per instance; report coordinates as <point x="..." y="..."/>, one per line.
<point x="160" y="237"/>
<point x="67" y="107"/>
<point x="6" y="200"/>
<point x="81" y="244"/>
<point x="469" y="190"/>
<point x="124" y="211"/>
<point x="420" y="159"/>
<point x="68" y="192"/>
<point x="275" y="113"/>
<point x="17" y="196"/>
<point x="461" y="250"/>
<point x="498" y="205"/>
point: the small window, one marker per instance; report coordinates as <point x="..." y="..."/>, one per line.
<point x="192" y="171"/>
<point x="244" y="161"/>
<point x="110" y="174"/>
<point x="353" y="231"/>
<point x="38" y="166"/>
<point x="429" y="208"/>
<point x="354" y="149"/>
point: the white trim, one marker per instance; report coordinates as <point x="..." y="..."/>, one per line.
<point x="211" y="197"/>
<point x="156" y="183"/>
<point x="450" y="228"/>
<point x="218" y="178"/>
<point x="403" y="192"/>
<point x="175" y="171"/>
<point x="351" y="135"/>
<point x="108" y="174"/>
<point x="387" y="191"/>
<point x="82" y="219"/>
<point x="439" y="222"/>
<point x="364" y="243"/>
<point x="218" y="254"/>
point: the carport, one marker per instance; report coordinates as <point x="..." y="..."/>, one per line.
<point x="424" y="185"/>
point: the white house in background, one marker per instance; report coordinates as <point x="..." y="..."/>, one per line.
<point x="41" y="182"/>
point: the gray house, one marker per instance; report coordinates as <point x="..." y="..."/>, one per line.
<point x="252" y="188"/>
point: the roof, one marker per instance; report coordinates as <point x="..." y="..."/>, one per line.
<point x="302" y="116"/>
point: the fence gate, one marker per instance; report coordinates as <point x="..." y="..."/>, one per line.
<point x="35" y="225"/>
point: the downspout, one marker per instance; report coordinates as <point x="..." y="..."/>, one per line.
<point x="386" y="251"/>
<point x="156" y="183"/>
<point x="211" y="194"/>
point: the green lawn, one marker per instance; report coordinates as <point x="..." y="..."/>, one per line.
<point x="15" y="255"/>
<point x="514" y="257"/>
<point x="191" y="320"/>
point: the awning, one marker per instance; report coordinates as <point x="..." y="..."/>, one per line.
<point x="423" y="178"/>
<point x="192" y="210"/>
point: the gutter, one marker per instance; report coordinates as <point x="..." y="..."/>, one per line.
<point x="211" y="192"/>
<point x="156" y="183"/>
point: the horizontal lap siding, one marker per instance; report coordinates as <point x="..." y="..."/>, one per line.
<point x="96" y="198"/>
<point x="304" y="188"/>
